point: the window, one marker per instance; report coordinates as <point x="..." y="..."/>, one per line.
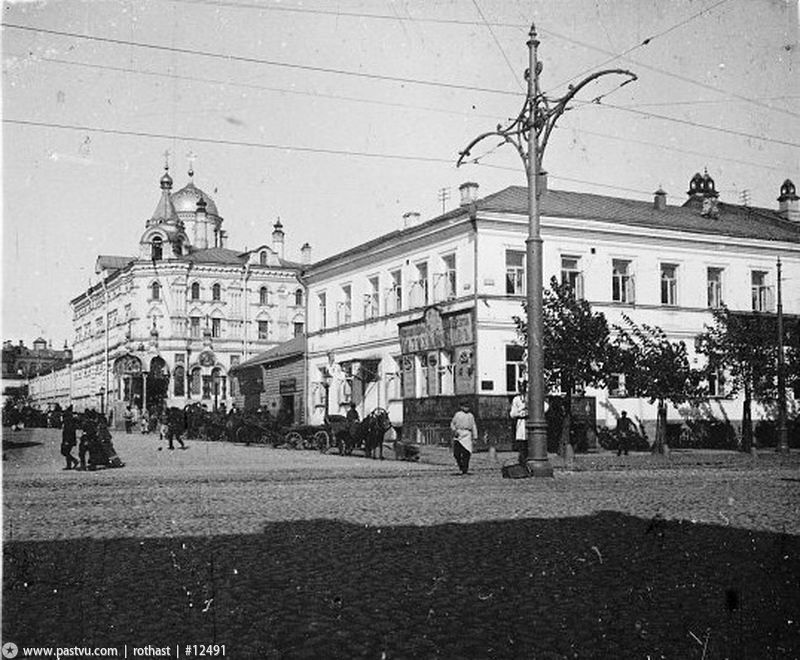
<point x="515" y="272"/>
<point x="419" y="287"/>
<point x="446" y="374"/>
<point x="195" y="291"/>
<point x="194" y="326"/>
<point x="422" y="380"/>
<point x="195" y="382"/>
<point x="216" y="292"/>
<point x="322" y="300"/>
<point x="298" y="297"/>
<point x="262" y="258"/>
<point x="621" y="281"/>
<point x="179" y="381"/>
<point x="263" y="329"/>
<point x="299" y="327"/>
<point x="716" y="384"/>
<point x="394" y="299"/>
<point x="346" y="305"/>
<point x="669" y="284"/>
<point x="571" y="275"/>
<point x="616" y="385"/>
<point x="371" y="299"/>
<point x="447" y="279"/>
<point x="263" y="296"/>
<point x="714" y="287"/>
<point x="762" y="294"/>
<point x="515" y="367"/>
<point x="157" y="248"/>
<point x="155" y="291"/>
<point x="216" y="327"/>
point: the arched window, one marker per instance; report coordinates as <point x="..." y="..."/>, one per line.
<point x="177" y="248"/>
<point x="195" y="382"/>
<point x="298" y="297"/>
<point x="155" y="291"/>
<point x="263" y="296"/>
<point x="179" y="381"/>
<point x="216" y="292"/>
<point x="157" y="249"/>
<point x="262" y="258"/>
<point x="196" y="291"/>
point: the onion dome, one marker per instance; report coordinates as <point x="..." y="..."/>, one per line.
<point x="185" y="199"/>
<point x="165" y="210"/>
<point x="696" y="185"/>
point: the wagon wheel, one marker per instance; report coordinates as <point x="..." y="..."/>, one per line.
<point x="293" y="439"/>
<point x="243" y="435"/>
<point x="321" y="441"/>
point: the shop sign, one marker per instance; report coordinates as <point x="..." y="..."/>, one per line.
<point x="287" y="386"/>
<point x="436" y="331"/>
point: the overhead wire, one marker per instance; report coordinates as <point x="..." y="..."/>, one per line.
<point x="339" y="97"/>
<point x="499" y="45"/>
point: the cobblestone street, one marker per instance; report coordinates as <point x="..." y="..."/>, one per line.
<point x="279" y="553"/>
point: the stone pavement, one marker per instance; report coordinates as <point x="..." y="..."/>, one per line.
<point x="280" y="553"/>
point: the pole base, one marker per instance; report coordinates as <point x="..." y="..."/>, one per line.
<point x="540" y="468"/>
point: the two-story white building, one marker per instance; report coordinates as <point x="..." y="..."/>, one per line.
<point x="165" y="326"/>
<point x="421" y="316"/>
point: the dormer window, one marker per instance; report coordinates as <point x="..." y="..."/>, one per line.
<point x="155" y="291"/>
<point x="157" y="249"/>
<point x="262" y="258"/>
<point x="216" y="292"/>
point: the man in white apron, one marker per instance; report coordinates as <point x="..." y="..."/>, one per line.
<point x="464" y="432"/>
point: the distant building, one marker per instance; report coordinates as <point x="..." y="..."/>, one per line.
<point x="22" y="364"/>
<point x="165" y="326"/>
<point x="423" y="316"/>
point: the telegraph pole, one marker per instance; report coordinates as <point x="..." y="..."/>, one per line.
<point x="529" y="134"/>
<point x="783" y="439"/>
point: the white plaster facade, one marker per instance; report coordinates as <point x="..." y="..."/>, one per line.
<point x="470" y="255"/>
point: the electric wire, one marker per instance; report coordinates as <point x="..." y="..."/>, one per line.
<point x="283" y="90"/>
<point x="499" y="45"/>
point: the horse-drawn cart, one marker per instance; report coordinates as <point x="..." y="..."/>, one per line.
<point x="320" y="437"/>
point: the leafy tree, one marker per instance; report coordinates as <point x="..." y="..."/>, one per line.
<point x="655" y="368"/>
<point x="575" y="347"/>
<point x="739" y="345"/>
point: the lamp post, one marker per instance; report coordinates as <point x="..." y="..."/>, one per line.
<point x="783" y="437"/>
<point x="102" y="394"/>
<point x="327" y="378"/>
<point x="529" y="134"/>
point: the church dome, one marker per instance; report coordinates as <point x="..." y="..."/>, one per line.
<point x="185" y="200"/>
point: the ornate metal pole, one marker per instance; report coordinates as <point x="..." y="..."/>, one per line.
<point x="529" y="134"/>
<point x="783" y="438"/>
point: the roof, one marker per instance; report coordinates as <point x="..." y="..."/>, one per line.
<point x="112" y="262"/>
<point x="733" y="221"/>
<point x="292" y="348"/>
<point x="217" y="255"/>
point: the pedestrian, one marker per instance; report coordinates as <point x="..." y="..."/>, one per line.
<point x="128" y="419"/>
<point x="519" y="412"/>
<point x="83" y="445"/>
<point x="68" y="439"/>
<point x="624" y="429"/>
<point x="465" y="430"/>
<point x="174" y="428"/>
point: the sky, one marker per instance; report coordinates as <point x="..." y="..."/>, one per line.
<point x="338" y="117"/>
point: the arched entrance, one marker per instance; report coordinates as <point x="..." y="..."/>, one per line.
<point x="157" y="386"/>
<point x="130" y="386"/>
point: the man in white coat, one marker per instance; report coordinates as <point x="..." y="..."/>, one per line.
<point x="519" y="412"/>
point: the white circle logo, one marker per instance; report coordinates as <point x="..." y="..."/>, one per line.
<point x="9" y="650"/>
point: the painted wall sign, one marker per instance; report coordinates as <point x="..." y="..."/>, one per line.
<point x="436" y="331"/>
<point x="287" y="385"/>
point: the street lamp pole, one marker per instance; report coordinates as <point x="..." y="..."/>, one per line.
<point x="783" y="439"/>
<point x="529" y="134"/>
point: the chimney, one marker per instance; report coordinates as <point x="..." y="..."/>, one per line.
<point x="277" y="238"/>
<point x="305" y="251"/>
<point x="201" y="225"/>
<point x="410" y="219"/>
<point x="659" y="199"/>
<point x="788" y="206"/>
<point x="469" y="193"/>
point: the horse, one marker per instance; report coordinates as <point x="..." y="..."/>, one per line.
<point x="373" y="429"/>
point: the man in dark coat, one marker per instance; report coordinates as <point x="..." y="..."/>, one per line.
<point x="68" y="439"/>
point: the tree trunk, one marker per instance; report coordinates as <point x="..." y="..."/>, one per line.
<point x="747" y="421"/>
<point x="660" y="444"/>
<point x="566" y="426"/>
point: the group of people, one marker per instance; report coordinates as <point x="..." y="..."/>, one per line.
<point x="95" y="448"/>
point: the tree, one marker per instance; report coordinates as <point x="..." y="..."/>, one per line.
<point x="655" y="368"/>
<point x="741" y="346"/>
<point x="575" y="347"/>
